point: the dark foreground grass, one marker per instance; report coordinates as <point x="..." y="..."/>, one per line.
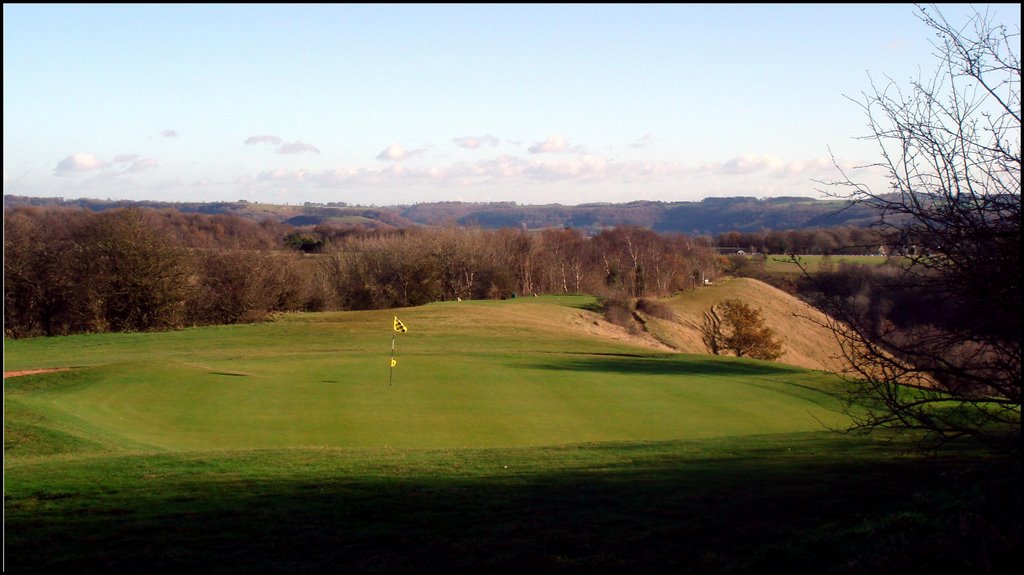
<point x="812" y="501"/>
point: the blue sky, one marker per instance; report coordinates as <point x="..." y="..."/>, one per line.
<point x="400" y="104"/>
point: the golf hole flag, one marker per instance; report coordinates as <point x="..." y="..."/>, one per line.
<point x="399" y="328"/>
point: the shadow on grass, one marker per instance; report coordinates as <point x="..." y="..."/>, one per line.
<point x="786" y="504"/>
<point x="686" y="365"/>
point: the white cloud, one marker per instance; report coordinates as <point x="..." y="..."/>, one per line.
<point x="79" y="163"/>
<point x="642" y="142"/>
<point x="556" y="143"/>
<point x="282" y="175"/>
<point x="262" y="139"/>
<point x="813" y="167"/>
<point x="474" y="142"/>
<point x="582" y="168"/>
<point x="397" y="153"/>
<point x="502" y="168"/>
<point x="528" y="175"/>
<point x="553" y="144"/>
<point x="336" y="176"/>
<point x="282" y="146"/>
<point x="771" y="166"/>
<point x="750" y="164"/>
<point x="169" y="133"/>
<point x="743" y="165"/>
<point x="296" y="148"/>
<point x="140" y="165"/>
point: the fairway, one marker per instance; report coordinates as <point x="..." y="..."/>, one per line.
<point x="468" y="374"/>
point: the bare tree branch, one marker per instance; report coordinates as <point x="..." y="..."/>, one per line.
<point x="950" y="144"/>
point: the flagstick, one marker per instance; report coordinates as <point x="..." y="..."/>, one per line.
<point x="391" y="372"/>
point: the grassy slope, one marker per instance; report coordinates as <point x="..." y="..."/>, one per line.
<point x="805" y="342"/>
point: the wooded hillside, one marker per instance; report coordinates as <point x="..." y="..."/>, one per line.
<point x="711" y="216"/>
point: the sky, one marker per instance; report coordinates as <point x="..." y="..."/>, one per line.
<point x="392" y="104"/>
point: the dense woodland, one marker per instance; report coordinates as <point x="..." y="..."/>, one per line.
<point x="70" y="270"/>
<point x="842" y="240"/>
<point x="708" y="217"/>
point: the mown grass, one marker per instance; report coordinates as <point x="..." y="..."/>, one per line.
<point x="510" y="438"/>
<point x="484" y="374"/>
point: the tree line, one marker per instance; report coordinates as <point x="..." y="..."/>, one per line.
<point x="71" y="271"/>
<point x="839" y="240"/>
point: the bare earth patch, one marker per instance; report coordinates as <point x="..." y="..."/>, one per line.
<point x="31" y="371"/>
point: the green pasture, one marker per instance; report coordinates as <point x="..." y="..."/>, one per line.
<point x="510" y="434"/>
<point x="782" y="264"/>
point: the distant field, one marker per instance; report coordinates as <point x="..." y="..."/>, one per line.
<point x="526" y="433"/>
<point x="813" y="263"/>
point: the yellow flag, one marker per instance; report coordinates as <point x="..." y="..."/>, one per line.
<point x="393" y="362"/>
<point x="399" y="326"/>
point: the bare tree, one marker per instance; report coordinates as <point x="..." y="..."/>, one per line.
<point x="950" y="146"/>
<point x="134" y="278"/>
<point x="564" y="249"/>
<point x="456" y="256"/>
<point x="40" y="295"/>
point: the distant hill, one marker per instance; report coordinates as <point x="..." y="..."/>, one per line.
<point x="709" y="216"/>
<point x="304" y="215"/>
<point x="719" y="215"/>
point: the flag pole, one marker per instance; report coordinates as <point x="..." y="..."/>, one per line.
<point x="399" y="327"/>
<point x="391" y="372"/>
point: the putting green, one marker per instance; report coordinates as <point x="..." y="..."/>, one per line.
<point x="468" y="374"/>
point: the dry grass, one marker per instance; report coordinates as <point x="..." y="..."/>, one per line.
<point x="568" y="320"/>
<point x="806" y="343"/>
